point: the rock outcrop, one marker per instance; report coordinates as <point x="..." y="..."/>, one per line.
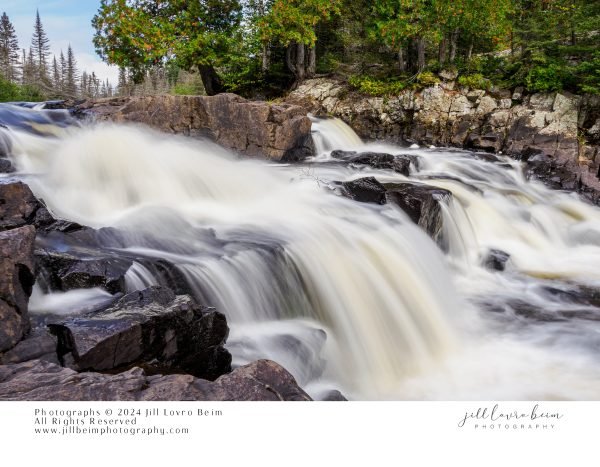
<point x="557" y="134"/>
<point x="279" y="132"/>
<point x="37" y="380"/>
<point x="151" y="326"/>
<point x="422" y="203"/>
<point x="16" y="282"/>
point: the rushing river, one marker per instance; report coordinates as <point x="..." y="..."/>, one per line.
<point x="345" y="295"/>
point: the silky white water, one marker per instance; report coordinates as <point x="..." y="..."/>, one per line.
<point x="345" y="295"/>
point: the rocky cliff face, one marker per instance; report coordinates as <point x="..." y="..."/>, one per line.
<point x="557" y="134"/>
<point x="280" y="132"/>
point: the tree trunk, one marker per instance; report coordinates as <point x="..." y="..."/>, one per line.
<point x="265" y="58"/>
<point x="443" y="50"/>
<point x="312" y="62"/>
<point x="300" y="62"/>
<point x="401" y="61"/>
<point x="420" y="44"/>
<point x="470" y="49"/>
<point x="210" y="79"/>
<point x="290" y="57"/>
<point x="453" y="45"/>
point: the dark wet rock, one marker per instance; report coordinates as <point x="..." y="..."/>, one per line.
<point x="376" y="160"/>
<point x="18" y="205"/>
<point x="344" y="155"/>
<point x="81" y="269"/>
<point x="365" y="190"/>
<point x="5" y="143"/>
<point x="39" y="344"/>
<point x="422" y="203"/>
<point x="259" y="129"/>
<point x="496" y="260"/>
<point x="333" y="395"/>
<point x="263" y="380"/>
<point x="149" y="326"/>
<point x="6" y="166"/>
<point x="16" y="282"/>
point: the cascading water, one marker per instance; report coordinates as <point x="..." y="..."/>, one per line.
<point x="345" y="295"/>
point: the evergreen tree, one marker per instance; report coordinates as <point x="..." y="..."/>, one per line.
<point x="9" y="50"/>
<point x="71" y="75"/>
<point x="56" y="78"/>
<point x="41" y="52"/>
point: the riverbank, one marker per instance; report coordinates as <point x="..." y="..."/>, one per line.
<point x="557" y="135"/>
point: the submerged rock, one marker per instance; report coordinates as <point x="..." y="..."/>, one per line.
<point x="16" y="282"/>
<point x="263" y="380"/>
<point x="496" y="260"/>
<point x="152" y="326"/>
<point x="377" y="160"/>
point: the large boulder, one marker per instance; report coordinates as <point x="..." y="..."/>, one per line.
<point x="89" y="268"/>
<point x="151" y="326"/>
<point x="263" y="380"/>
<point x="365" y="190"/>
<point x="39" y="344"/>
<point x="422" y="203"/>
<point x="16" y="282"/>
<point x="279" y="132"/>
<point x="18" y="205"/>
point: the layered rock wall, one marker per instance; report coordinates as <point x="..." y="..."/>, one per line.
<point x="558" y="132"/>
<point x="275" y="131"/>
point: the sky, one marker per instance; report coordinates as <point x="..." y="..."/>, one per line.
<point x="65" y="22"/>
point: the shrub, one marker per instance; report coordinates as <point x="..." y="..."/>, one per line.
<point x="14" y="92"/>
<point x="426" y="79"/>
<point x="475" y="81"/>
<point x="547" y="78"/>
<point x="376" y="87"/>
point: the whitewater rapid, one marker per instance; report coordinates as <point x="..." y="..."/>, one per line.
<point x="345" y="295"/>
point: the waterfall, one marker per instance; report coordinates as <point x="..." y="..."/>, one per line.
<point x="345" y="295"/>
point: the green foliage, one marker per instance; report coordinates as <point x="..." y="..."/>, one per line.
<point x="10" y="92"/>
<point x="140" y="34"/>
<point x="185" y="89"/>
<point x="475" y="81"/>
<point x="547" y="78"/>
<point x="255" y="45"/>
<point x="589" y="75"/>
<point x="426" y="79"/>
<point x="296" y="20"/>
<point x="376" y="87"/>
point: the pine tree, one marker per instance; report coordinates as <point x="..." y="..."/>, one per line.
<point x="63" y="69"/>
<point x="29" y="68"/>
<point x="84" y="85"/>
<point x="41" y="51"/>
<point x="9" y="50"/>
<point x="71" y="77"/>
<point x="122" y="83"/>
<point x="56" y="78"/>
